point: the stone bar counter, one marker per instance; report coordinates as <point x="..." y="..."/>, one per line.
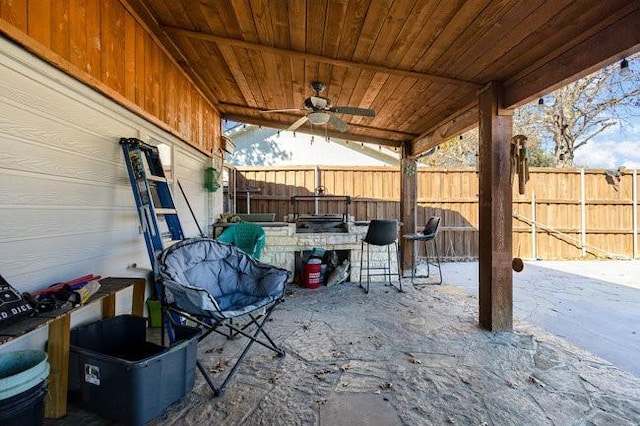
<point x="283" y="243"/>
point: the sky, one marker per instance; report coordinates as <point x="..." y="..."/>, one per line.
<point x="612" y="149"/>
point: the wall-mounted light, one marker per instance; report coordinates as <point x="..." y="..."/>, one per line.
<point x="461" y="137"/>
<point x="541" y="101"/>
<point x="624" y="67"/>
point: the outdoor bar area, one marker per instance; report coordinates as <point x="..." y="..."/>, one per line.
<point x="310" y="226"/>
<point x="120" y="118"/>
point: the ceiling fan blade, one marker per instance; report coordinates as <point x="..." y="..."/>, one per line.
<point x="283" y="110"/>
<point x="338" y="124"/>
<point x="365" y="112"/>
<point x="299" y="122"/>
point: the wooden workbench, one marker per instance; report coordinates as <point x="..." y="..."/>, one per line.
<point x="59" y="322"/>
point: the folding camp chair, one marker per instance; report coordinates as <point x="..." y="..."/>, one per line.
<point x="211" y="284"/>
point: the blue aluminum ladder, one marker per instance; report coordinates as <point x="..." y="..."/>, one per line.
<point x="156" y="210"/>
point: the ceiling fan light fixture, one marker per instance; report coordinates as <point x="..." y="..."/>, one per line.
<point x="319" y="117"/>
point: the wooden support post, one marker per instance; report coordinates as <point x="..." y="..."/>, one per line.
<point x="109" y="306"/>
<point x="408" y="205"/>
<point x="137" y="303"/>
<point x="583" y="214"/>
<point x="534" y="229"/>
<point x="316" y="184"/>
<point x="495" y="206"/>
<point x="634" y="210"/>
<point x="58" y="353"/>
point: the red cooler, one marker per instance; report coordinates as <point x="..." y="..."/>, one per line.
<point x="311" y="273"/>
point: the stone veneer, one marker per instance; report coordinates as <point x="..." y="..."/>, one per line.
<point x="283" y="243"/>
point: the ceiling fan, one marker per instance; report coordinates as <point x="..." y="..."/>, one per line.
<point x="319" y="110"/>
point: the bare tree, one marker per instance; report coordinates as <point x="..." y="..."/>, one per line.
<point x="567" y="119"/>
<point x="573" y="115"/>
<point x="462" y="151"/>
<point x="457" y="152"/>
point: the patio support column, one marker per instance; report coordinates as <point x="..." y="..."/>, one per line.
<point x="408" y="204"/>
<point x="495" y="206"/>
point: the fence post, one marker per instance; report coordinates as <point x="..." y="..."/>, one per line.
<point x="316" y="184"/>
<point x="634" y="210"/>
<point x="235" y="191"/>
<point x="583" y="213"/>
<point x="534" y="248"/>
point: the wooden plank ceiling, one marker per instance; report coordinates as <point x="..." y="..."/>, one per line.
<point x="418" y="64"/>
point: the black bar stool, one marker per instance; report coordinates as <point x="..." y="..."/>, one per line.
<point x="427" y="235"/>
<point x="380" y="233"/>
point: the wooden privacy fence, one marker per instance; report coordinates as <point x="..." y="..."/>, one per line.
<point x="564" y="213"/>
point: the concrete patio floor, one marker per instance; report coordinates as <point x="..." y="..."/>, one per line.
<point x="592" y="304"/>
<point x="413" y="358"/>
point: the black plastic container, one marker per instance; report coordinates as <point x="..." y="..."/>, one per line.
<point x="116" y="373"/>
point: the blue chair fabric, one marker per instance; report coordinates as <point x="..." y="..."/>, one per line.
<point x="212" y="283"/>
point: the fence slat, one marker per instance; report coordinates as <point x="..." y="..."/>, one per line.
<point x="571" y="209"/>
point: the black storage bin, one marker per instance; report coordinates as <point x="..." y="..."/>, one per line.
<point x="116" y="373"/>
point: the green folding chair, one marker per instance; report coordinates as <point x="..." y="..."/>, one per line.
<point x="248" y="237"/>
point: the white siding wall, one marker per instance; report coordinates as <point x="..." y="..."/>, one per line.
<point x="66" y="207"/>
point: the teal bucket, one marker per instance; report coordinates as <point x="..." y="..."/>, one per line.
<point x="23" y="387"/>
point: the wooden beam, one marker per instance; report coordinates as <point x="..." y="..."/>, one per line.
<point x="408" y="205"/>
<point x="460" y="122"/>
<point x="317" y="131"/>
<point x="226" y="41"/>
<point x="109" y="306"/>
<point x="621" y="38"/>
<point x="244" y="109"/>
<point x="58" y="353"/>
<point x="137" y="301"/>
<point x="143" y="16"/>
<point x="49" y="56"/>
<point x="495" y="205"/>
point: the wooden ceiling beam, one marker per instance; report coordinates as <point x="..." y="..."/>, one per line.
<point x="226" y="41"/>
<point x="141" y="13"/>
<point x="458" y="123"/>
<point x="322" y="132"/>
<point x="619" y="39"/>
<point x="243" y="110"/>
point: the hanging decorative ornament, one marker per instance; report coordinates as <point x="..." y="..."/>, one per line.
<point x="410" y="170"/>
